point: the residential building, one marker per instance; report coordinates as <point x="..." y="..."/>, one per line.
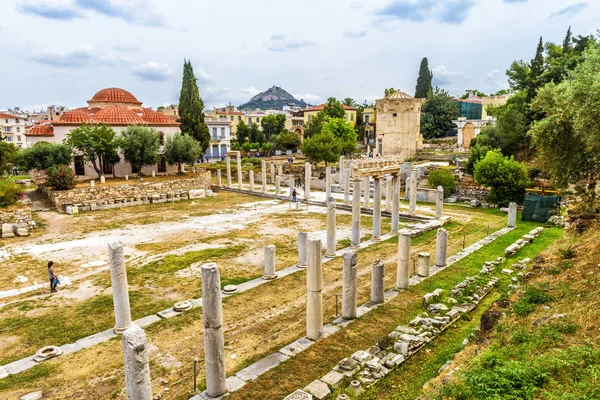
<point x="13" y="129"/>
<point x="229" y="113"/>
<point x="171" y="111"/>
<point x="117" y="108"/>
<point x="53" y="113"/>
<point x="220" y="137"/>
<point x="398" y="126"/>
<point x="369" y="125"/>
<point x="311" y="112"/>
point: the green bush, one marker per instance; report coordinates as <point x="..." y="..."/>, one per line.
<point x="61" y="177"/>
<point x="443" y="178"/>
<point x="506" y="177"/>
<point x="43" y="155"/>
<point x="251" y="160"/>
<point x="9" y="192"/>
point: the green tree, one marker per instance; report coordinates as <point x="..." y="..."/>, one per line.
<point x="253" y="131"/>
<point x="568" y="41"/>
<point x="182" y="149"/>
<point x="438" y="113"/>
<point x="443" y="178"/>
<point x="43" y="155"/>
<point x="8" y="154"/>
<point x="424" y="89"/>
<point x="272" y="125"/>
<point x="242" y="132"/>
<point x="506" y="177"/>
<point x="191" y="108"/>
<point x="389" y="91"/>
<point x="349" y="101"/>
<point x="315" y="124"/>
<point x="140" y="146"/>
<point x="97" y="144"/>
<point x="322" y="147"/>
<point x="334" y="109"/>
<point x="476" y="153"/>
<point x="343" y="132"/>
<point x="469" y="91"/>
<point x="510" y="132"/>
<point x="287" y="140"/>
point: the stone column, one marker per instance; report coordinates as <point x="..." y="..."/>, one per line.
<point x="402" y="279"/>
<point x="423" y="264"/>
<point x="302" y="240"/>
<point x="307" y="176"/>
<point x="355" y="242"/>
<point x="291" y="186"/>
<point x="214" y="343"/>
<point x="512" y="215"/>
<point x="413" y="192"/>
<point x="277" y="185"/>
<point x="376" y="209"/>
<point x="421" y="171"/>
<point x="367" y="191"/>
<point x="228" y="165"/>
<point x="118" y="277"/>
<point x="272" y="170"/>
<point x="349" y="284"/>
<point x="219" y="178"/>
<point x="314" y="284"/>
<point x="280" y="170"/>
<point x="389" y="192"/>
<point x="263" y="172"/>
<point x="441" y="247"/>
<point x="378" y="282"/>
<point x="395" y="203"/>
<point x="327" y="183"/>
<point x="331" y="243"/>
<point x="269" y="263"/>
<point x="347" y="186"/>
<point x="342" y="172"/>
<point x="239" y="172"/>
<point x="137" y="367"/>
<point x="251" y="179"/>
<point x="439" y="202"/>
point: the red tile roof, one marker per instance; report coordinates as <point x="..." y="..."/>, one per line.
<point x="75" y="116"/>
<point x="41" y="130"/>
<point x="117" y="115"/>
<point x="115" y="95"/>
<point x="8" y="116"/>
<point x="155" y="118"/>
<point x="320" y="107"/>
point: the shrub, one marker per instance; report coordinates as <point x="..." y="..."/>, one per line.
<point x="476" y="153"/>
<point x="9" y="192"/>
<point x="43" y="155"/>
<point x="506" y="177"/>
<point x="251" y="160"/>
<point x="61" y="177"/>
<point x="443" y="178"/>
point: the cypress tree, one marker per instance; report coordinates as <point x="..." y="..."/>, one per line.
<point x="536" y="71"/>
<point x="191" y="108"/>
<point x="424" y="89"/>
<point x="567" y="41"/>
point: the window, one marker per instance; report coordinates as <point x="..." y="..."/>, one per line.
<point x="6" y="121"/>
<point x="249" y="120"/>
<point x="239" y="117"/>
<point x="309" y="117"/>
<point x="9" y="138"/>
<point x="366" y="119"/>
<point x="18" y="129"/>
<point x="214" y="133"/>
<point x="162" y="165"/>
<point x="18" y="138"/>
<point x="162" y="138"/>
<point x="231" y="118"/>
<point x="16" y="120"/>
<point x="351" y="117"/>
<point x="257" y="120"/>
<point x="222" y="133"/>
<point x="7" y="129"/>
<point x="346" y="116"/>
<point x="394" y="115"/>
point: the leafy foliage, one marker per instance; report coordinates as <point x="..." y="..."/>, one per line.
<point x="389" y="91"/>
<point x="424" y="89"/>
<point x="334" y="109"/>
<point x="342" y="132"/>
<point x="507" y="177"/>
<point x="443" y="178"/>
<point x="314" y="126"/>
<point x="476" y="153"/>
<point x="438" y="113"/>
<point x="61" y="177"/>
<point x="9" y="192"/>
<point x="181" y="149"/>
<point x="322" y="147"/>
<point x="287" y="140"/>
<point x="242" y="132"/>
<point x="139" y="145"/>
<point x="43" y="155"/>
<point x="8" y="154"/>
<point x="273" y="125"/>
<point x="96" y="143"/>
<point x="191" y="108"/>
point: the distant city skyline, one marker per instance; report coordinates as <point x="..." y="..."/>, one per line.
<point x="60" y="51"/>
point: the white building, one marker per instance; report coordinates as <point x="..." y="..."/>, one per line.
<point x="117" y="108"/>
<point x="12" y="128"/>
<point x="219" y="130"/>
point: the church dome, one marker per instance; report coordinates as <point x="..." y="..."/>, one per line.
<point x="114" y="95"/>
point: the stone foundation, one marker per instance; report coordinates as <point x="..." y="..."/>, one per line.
<point x="16" y="222"/>
<point x="130" y="194"/>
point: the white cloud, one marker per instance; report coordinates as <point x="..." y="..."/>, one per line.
<point x="443" y="76"/>
<point x="308" y="97"/>
<point x="84" y="56"/>
<point x="153" y="71"/>
<point x="202" y="75"/>
<point x="281" y="43"/>
<point x="496" y="80"/>
<point x="220" y="96"/>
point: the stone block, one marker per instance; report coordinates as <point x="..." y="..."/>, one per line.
<point x="296" y="347"/>
<point x="197" y="194"/>
<point x="22" y="232"/>
<point x="7" y="231"/>
<point x="261" y="366"/>
<point x="32" y="396"/>
<point x="148" y="320"/>
<point x="318" y="389"/>
<point x="299" y="395"/>
<point x="333" y="378"/>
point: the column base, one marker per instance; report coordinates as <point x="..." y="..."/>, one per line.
<point x="355" y="247"/>
<point x="269" y="277"/>
<point x="119" y="331"/>
<point x="330" y="255"/>
<point x="375" y="239"/>
<point x="301" y="266"/>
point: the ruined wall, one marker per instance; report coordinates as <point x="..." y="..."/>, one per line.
<point x="16" y="222"/>
<point x="130" y="194"/>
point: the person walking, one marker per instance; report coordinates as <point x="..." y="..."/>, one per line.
<point x="52" y="276"/>
<point x="294" y="196"/>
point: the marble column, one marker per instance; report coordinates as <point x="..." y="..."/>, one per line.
<point x="441" y="247"/>
<point x="272" y="170"/>
<point x="219" y="178"/>
<point x="263" y="175"/>
<point x="307" y="177"/>
<point x="251" y="179"/>
<point x="512" y="215"/>
<point x="439" y="202"/>
<point x="239" y="172"/>
<point x="403" y="274"/>
<point x="413" y="192"/>
<point x="118" y="277"/>
<point x="367" y="191"/>
<point x="214" y="342"/>
<point x="228" y="165"/>
<point x="378" y="282"/>
<point x="342" y="172"/>
<point x="376" y="209"/>
<point x="355" y="242"/>
<point x="331" y="243"/>
<point x="280" y="170"/>
<point x="327" y="183"/>
<point x="349" y="285"/>
<point x="314" y="284"/>
<point x="277" y="185"/>
<point x="302" y="241"/>
<point x="292" y="184"/>
<point x="395" y="203"/>
<point x="423" y="264"/>
<point x="269" y="263"/>
<point x="137" y="366"/>
<point x="347" y="186"/>
<point x="389" y="192"/>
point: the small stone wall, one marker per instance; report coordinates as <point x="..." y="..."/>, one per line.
<point x="130" y="194"/>
<point x="424" y="195"/>
<point x="468" y="189"/>
<point x="16" y="222"/>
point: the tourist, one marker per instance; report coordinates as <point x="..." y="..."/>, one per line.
<point x="52" y="276"/>
<point x="294" y="196"/>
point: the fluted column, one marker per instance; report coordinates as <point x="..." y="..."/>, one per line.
<point x="355" y="242"/>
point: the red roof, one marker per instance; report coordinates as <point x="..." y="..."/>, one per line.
<point x="155" y="118"/>
<point x="117" y="115"/>
<point x="41" y="130"/>
<point x="115" y="95"/>
<point x="8" y="116"/>
<point x="320" y="107"/>
<point x="76" y="116"/>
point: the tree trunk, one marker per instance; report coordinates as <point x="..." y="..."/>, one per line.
<point x="179" y="168"/>
<point x="95" y="165"/>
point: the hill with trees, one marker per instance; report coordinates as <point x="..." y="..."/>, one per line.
<point x="273" y="98"/>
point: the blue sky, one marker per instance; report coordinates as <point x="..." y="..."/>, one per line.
<point x="63" y="51"/>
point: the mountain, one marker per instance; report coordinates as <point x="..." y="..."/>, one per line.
<point x="273" y="98"/>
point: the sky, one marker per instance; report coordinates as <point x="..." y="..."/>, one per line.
<point x="63" y="51"/>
